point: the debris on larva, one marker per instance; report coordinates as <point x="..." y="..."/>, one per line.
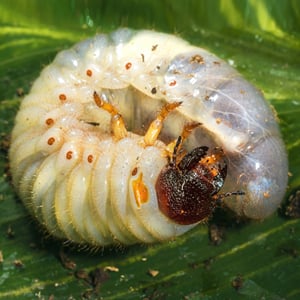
<point x="95" y="162"/>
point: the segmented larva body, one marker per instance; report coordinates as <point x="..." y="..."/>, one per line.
<point x="89" y="179"/>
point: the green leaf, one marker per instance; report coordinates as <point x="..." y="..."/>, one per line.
<point x="262" y="39"/>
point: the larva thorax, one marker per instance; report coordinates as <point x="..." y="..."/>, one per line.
<point x="84" y="159"/>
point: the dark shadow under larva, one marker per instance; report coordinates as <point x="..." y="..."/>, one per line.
<point x="108" y="147"/>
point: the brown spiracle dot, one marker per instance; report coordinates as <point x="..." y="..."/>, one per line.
<point x="154" y="47"/>
<point x="51" y="141"/>
<point x="197" y="59"/>
<point x="128" y="65"/>
<point x="49" y="121"/>
<point x="134" y="171"/>
<point x="62" y="97"/>
<point x="89" y="72"/>
<point x="69" y="155"/>
<point x="154" y="91"/>
<point x="172" y="83"/>
<point x="90" y="158"/>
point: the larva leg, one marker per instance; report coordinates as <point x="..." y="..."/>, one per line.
<point x="139" y="188"/>
<point x="156" y="125"/>
<point x="173" y="148"/>
<point x="117" y="123"/>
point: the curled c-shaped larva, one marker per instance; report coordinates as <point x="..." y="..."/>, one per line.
<point x="91" y="168"/>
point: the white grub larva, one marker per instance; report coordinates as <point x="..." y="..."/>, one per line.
<point x="90" y="168"/>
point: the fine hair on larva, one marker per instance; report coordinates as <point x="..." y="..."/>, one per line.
<point x="110" y="117"/>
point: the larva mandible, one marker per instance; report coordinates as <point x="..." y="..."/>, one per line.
<point x="89" y="175"/>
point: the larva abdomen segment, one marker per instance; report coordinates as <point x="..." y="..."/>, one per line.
<point x="241" y="123"/>
<point x="87" y="185"/>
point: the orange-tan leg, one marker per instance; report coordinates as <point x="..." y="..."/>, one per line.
<point x="156" y="125"/>
<point x="174" y="147"/>
<point x="117" y="122"/>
